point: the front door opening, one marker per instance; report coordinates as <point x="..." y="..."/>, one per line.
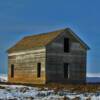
<point x="66" y="70"/>
<point x="38" y="70"/>
<point x="12" y="70"/>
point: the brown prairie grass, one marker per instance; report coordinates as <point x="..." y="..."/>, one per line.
<point x="74" y="87"/>
<point x="70" y="87"/>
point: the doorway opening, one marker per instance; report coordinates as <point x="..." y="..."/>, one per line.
<point x="66" y="72"/>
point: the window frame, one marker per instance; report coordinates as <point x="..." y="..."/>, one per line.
<point x="12" y="70"/>
<point x="66" y="45"/>
<point x="39" y="70"/>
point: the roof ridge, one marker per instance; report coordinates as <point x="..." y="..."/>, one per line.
<point x="45" y="33"/>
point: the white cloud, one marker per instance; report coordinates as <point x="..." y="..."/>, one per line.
<point x="93" y="74"/>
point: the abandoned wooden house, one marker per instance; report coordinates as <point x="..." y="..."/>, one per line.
<point x="58" y="56"/>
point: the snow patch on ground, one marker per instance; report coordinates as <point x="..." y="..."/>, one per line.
<point x="20" y="92"/>
<point x="3" y="78"/>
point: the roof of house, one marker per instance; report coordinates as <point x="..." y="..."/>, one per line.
<point x="39" y="40"/>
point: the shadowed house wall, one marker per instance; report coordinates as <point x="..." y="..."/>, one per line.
<point x="75" y="58"/>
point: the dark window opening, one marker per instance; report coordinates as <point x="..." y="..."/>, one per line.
<point x="39" y="70"/>
<point x="66" y="70"/>
<point x="12" y="70"/>
<point x="66" y="45"/>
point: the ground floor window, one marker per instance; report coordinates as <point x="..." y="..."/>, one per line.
<point x="38" y="70"/>
<point x="66" y="72"/>
<point x="12" y="70"/>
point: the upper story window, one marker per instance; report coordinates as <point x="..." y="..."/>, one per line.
<point x="66" y="45"/>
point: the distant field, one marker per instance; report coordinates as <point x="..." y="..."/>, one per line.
<point x="93" y="79"/>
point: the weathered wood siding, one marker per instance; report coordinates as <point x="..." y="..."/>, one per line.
<point x="52" y="59"/>
<point x="56" y="57"/>
<point x="25" y="66"/>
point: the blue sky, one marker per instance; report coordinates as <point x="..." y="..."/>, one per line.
<point x="19" y="18"/>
